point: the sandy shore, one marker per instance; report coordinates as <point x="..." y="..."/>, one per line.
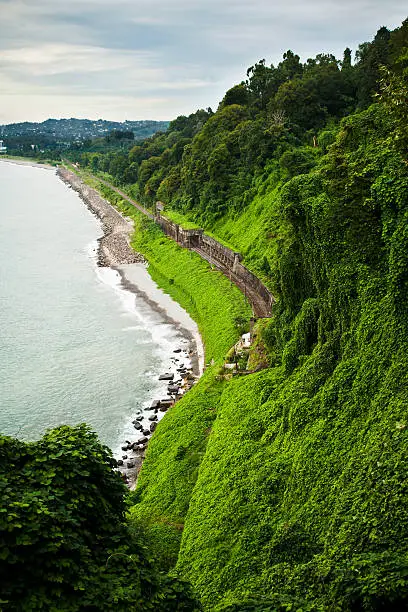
<point x="187" y="363"/>
<point x="27" y="162"/>
<point x="137" y="279"/>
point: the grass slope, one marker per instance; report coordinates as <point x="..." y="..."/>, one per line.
<point x="301" y="498"/>
<point x="176" y="450"/>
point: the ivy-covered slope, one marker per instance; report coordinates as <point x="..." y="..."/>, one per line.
<point x="300" y="501"/>
<point x="301" y="498"/>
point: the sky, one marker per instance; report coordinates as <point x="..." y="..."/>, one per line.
<point x="157" y="59"/>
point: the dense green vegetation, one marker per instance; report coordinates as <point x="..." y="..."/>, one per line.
<point x="300" y="500"/>
<point x="64" y="543"/>
<point x="284" y="489"/>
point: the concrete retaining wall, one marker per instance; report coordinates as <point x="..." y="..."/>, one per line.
<point x="223" y="257"/>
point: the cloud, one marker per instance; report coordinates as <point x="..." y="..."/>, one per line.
<point x="145" y="53"/>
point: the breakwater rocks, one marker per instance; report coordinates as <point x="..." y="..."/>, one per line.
<point x="113" y="247"/>
<point x="175" y="383"/>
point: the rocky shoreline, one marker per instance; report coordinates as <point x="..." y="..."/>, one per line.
<point x="176" y="384"/>
<point x="113" y="247"/>
<point x="184" y="369"/>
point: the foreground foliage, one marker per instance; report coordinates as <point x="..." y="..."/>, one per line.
<point x="64" y="544"/>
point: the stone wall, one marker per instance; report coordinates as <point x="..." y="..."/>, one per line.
<point x="227" y="260"/>
<point x="253" y="281"/>
<point x="222" y="254"/>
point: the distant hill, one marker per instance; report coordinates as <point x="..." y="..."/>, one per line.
<point x="81" y="129"/>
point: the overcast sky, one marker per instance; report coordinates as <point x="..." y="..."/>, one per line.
<point x="156" y="59"/>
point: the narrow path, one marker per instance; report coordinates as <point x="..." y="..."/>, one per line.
<point x="126" y="197"/>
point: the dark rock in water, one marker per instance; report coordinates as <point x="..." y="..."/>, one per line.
<point x="142" y="440"/>
<point x="146" y="432"/>
<point x="164" y="407"/>
<point x="124" y="457"/>
<point x="153" y="417"/>
<point x="177" y="351"/>
<point x="153" y="426"/>
<point x="167" y="376"/>
<point x="130" y="464"/>
<point x="172" y="389"/>
<point x="128" y="441"/>
<point x="155" y="404"/>
<point x="124" y="448"/>
<point x="137" y="425"/>
<point x="139" y="418"/>
<point x="120" y="462"/>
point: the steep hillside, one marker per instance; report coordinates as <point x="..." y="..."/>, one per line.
<point x="300" y="501"/>
<point x="301" y="496"/>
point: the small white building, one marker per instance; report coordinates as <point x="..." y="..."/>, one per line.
<point x="3" y="149"/>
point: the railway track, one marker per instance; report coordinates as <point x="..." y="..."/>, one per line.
<point x="260" y="307"/>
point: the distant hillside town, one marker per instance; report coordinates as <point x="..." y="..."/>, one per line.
<point x="62" y="134"/>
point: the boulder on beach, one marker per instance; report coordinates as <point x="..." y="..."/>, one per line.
<point x="146" y="432"/>
<point x="137" y="425"/>
<point x="130" y="464"/>
<point x="167" y="376"/>
<point x="153" y="417"/>
<point x="153" y="426"/>
<point x="167" y="402"/>
<point x="142" y="440"/>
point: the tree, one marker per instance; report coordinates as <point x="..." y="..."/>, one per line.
<point x="236" y="95"/>
<point x="370" y="57"/>
<point x="346" y="63"/>
<point x="299" y="100"/>
<point x="261" y="83"/>
<point x="64" y="544"/>
<point x="290" y="67"/>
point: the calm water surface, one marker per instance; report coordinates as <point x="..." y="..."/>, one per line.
<point x="74" y="345"/>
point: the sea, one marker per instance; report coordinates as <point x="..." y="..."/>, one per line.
<point x="76" y="344"/>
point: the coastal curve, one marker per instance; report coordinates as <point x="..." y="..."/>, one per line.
<point x="187" y="363"/>
<point x="113" y="247"/>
